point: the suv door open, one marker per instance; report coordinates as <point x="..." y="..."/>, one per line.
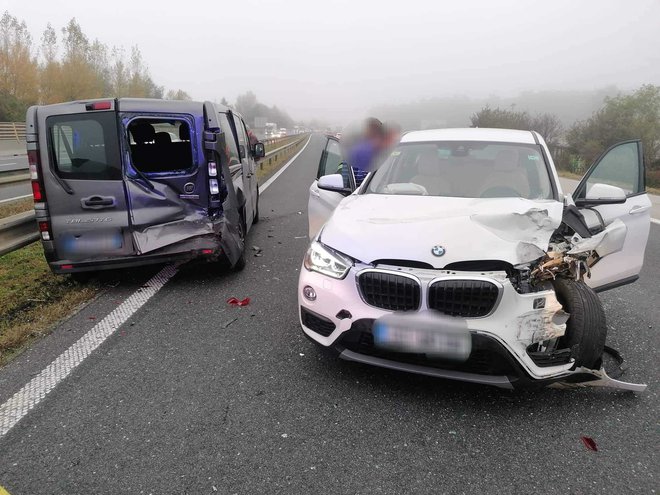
<point x="614" y="188"/>
<point x="82" y="210"/>
<point x="334" y="181"/>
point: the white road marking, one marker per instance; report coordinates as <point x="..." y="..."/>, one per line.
<point x="655" y="221"/>
<point x="286" y="165"/>
<point x="12" y="411"/>
<point x="15" y="199"/>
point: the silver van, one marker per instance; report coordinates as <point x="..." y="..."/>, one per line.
<point x="125" y="182"/>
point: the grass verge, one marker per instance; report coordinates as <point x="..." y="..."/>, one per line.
<point x="15" y="207"/>
<point x="32" y="299"/>
<point x="267" y="166"/>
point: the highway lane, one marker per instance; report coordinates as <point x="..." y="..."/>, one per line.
<point x="193" y="395"/>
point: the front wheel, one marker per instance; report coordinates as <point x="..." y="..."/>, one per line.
<point x="586" y="329"/>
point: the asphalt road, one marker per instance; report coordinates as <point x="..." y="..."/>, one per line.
<point x="13" y="164"/>
<point x="193" y="396"/>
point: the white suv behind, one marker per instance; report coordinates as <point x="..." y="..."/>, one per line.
<point x="461" y="257"/>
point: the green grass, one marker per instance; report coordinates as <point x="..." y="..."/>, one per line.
<point x="14" y="207"/>
<point x="32" y="299"/>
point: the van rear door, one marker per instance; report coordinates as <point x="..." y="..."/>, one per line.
<point x="167" y="180"/>
<point x="82" y="177"/>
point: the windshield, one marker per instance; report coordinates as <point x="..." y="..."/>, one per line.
<point x="467" y="169"/>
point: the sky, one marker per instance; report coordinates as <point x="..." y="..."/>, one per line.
<point x="335" y="60"/>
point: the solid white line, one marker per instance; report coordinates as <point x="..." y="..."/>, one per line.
<point x="15" y="199"/>
<point x="655" y="221"/>
<point x="280" y="171"/>
<point x="12" y="411"/>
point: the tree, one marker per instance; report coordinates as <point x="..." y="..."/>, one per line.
<point x="546" y="124"/>
<point x="18" y="67"/>
<point x="636" y="115"/>
<point x="179" y="94"/>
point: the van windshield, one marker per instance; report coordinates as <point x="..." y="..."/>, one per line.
<point x="468" y="169"/>
<point x="85" y="146"/>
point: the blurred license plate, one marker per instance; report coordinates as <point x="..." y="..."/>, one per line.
<point x="438" y="340"/>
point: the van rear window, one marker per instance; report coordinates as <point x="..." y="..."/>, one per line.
<point x="85" y="146"/>
<point x="160" y="146"/>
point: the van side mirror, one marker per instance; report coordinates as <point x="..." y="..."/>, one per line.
<point x="602" y="194"/>
<point x="259" y="150"/>
<point x="333" y="182"/>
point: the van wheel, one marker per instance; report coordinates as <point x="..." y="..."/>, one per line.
<point x="586" y="329"/>
<point x="256" y="209"/>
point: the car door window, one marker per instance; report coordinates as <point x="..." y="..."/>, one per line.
<point x="230" y="141"/>
<point x="331" y="162"/>
<point x="242" y="137"/>
<point x="618" y="167"/>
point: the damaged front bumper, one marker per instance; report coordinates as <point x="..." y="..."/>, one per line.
<point x="341" y="318"/>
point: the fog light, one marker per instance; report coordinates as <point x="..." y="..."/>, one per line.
<point x="309" y="293"/>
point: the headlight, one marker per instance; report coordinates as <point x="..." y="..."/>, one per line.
<point x="322" y="259"/>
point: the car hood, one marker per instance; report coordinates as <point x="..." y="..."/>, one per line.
<point x="370" y="227"/>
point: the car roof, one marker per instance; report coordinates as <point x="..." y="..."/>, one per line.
<point x="470" y="134"/>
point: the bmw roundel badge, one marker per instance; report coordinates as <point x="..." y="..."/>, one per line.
<point x="438" y="250"/>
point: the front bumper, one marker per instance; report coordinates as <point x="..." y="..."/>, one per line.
<point x="340" y="318"/>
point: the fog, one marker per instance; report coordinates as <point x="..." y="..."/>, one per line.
<point x="336" y="60"/>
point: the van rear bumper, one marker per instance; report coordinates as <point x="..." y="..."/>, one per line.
<point x="197" y="247"/>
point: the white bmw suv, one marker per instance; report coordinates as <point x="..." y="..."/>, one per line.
<point x="461" y="257"/>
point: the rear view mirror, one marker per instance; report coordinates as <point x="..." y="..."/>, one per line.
<point x="259" y="150"/>
<point x="333" y="182"/>
<point x="602" y="194"/>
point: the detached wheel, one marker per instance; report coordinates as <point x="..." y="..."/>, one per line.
<point x="586" y="329"/>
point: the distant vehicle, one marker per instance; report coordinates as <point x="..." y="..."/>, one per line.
<point x="460" y="257"/>
<point x="271" y="130"/>
<point x="127" y="182"/>
<point x="283" y="132"/>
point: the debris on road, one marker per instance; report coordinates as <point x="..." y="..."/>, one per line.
<point x="228" y="322"/>
<point x="238" y="302"/>
<point x="589" y="443"/>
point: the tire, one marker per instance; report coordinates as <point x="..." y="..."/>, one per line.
<point x="586" y="328"/>
<point x="256" y="209"/>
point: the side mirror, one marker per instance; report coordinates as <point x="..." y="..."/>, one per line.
<point x="602" y="194"/>
<point x="259" y="150"/>
<point x="333" y="182"/>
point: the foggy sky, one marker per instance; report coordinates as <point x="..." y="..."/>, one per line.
<point x="336" y="59"/>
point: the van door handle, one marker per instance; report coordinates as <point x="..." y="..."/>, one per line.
<point x="98" y="202"/>
<point x="638" y="209"/>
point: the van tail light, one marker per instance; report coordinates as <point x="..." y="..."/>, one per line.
<point x="213" y="169"/>
<point x="214" y="188"/>
<point x="44" y="228"/>
<point x="37" y="186"/>
<point x="99" y="105"/>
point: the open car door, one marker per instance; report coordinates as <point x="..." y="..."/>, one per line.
<point x="334" y="181"/>
<point x="614" y="189"/>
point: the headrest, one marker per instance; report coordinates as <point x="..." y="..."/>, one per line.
<point x="506" y="160"/>
<point x="428" y="162"/>
<point x="163" y="138"/>
<point x="143" y="132"/>
<point x="184" y="132"/>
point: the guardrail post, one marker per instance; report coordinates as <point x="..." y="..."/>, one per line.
<point x="13" y="124"/>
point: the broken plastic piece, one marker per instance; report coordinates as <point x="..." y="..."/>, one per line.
<point x="238" y="302"/>
<point x="589" y="443"/>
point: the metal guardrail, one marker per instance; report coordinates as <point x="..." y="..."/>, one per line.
<point x="12" y="131"/>
<point x="17" y="231"/>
